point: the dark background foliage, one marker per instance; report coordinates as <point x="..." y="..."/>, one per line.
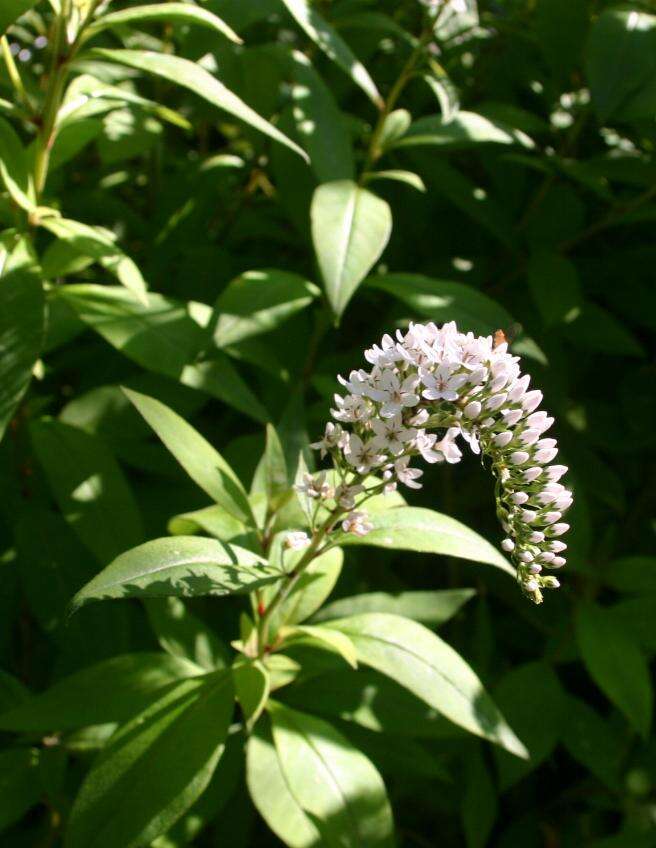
<point x="556" y="232"/>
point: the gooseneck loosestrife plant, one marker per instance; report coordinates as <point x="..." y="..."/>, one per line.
<point x="438" y="379"/>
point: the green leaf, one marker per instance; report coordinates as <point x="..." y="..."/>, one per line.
<point x="445" y="92"/>
<point x="524" y="693"/>
<point x="192" y="76"/>
<point x="633" y="574"/>
<point x="333" y="45"/>
<point x="203" y="463"/>
<point x="14" y="165"/>
<point x="184" y="566"/>
<point x="555" y="286"/>
<point x="257" y="302"/>
<point x="594" y="742"/>
<point x="272" y="472"/>
<point x="183" y="13"/>
<point x="324" y="636"/>
<point x="192" y="718"/>
<point x="22" y="332"/>
<point x="478" y="806"/>
<point x="320" y="124"/>
<point x="463" y="130"/>
<point x="271" y="793"/>
<point x="163" y="337"/>
<point x="252" y="686"/>
<point x="621" y="62"/>
<point x="89" y="486"/>
<point x="350" y="229"/>
<point x="394" y="127"/>
<point x="19" y="784"/>
<point x="316" y="584"/>
<point x="214" y="521"/>
<point x="616" y="664"/>
<point x="12" y="692"/>
<point x="596" y="329"/>
<point x="183" y="635"/>
<point x="110" y="691"/>
<point x="333" y="782"/>
<point x="370" y="700"/>
<point x="442" y="300"/>
<point x="561" y="29"/>
<point x="98" y="244"/>
<point x="407" y="177"/>
<point x="430" y="608"/>
<point x="419" y="660"/>
<point x="410" y="528"/>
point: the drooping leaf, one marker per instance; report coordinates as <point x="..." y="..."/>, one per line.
<point x="419" y="660"/>
<point x="110" y="691"/>
<point x="616" y="664"/>
<point x="192" y="76"/>
<point x="99" y="245"/>
<point x="350" y="229"/>
<point x="183" y="13"/>
<point x="463" y="130"/>
<point x="443" y="300"/>
<point x="333" y="45"/>
<point x="399" y="176"/>
<point x="333" y="782"/>
<point x="271" y="793"/>
<point x="429" y="608"/>
<point x="203" y="463"/>
<point x="163" y="337"/>
<point x="22" y="331"/>
<point x="409" y="528"/>
<point x="183" y="566"/>
<point x="193" y="718"/>
<point x="258" y="302"/>
<point x="89" y="486"/>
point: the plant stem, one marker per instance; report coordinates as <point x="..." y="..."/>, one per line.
<point x="53" y="98"/>
<point x="12" y="71"/>
<point x="374" y="151"/>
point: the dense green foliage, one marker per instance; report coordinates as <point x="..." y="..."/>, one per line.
<point x="207" y="211"/>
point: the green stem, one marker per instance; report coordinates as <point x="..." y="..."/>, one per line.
<point x="12" y="71"/>
<point x="374" y="151"/>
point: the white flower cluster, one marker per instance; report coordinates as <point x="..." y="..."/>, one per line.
<point x="436" y="378"/>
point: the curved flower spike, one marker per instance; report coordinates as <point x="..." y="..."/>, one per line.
<point x="437" y="378"/>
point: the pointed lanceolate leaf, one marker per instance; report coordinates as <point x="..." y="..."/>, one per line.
<point x="252" y="687"/>
<point x="154" y="768"/>
<point x="192" y="76"/>
<point x="333" y="782"/>
<point x="430" y="608"/>
<point x="333" y="45"/>
<point x="203" y="463"/>
<point x="616" y="664"/>
<point x="350" y="229"/>
<point x="110" y="691"/>
<point x="184" y="566"/>
<point x="419" y="660"/>
<point x="410" y="528"/>
<point x="183" y="13"/>
<point x="270" y="792"/>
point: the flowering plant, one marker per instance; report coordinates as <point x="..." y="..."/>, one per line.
<point x="461" y="385"/>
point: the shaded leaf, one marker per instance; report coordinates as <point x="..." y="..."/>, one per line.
<point x="183" y="13"/>
<point x="430" y="608"/>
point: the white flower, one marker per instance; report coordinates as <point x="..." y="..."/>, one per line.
<point x="363" y="456"/>
<point x="391" y="434"/>
<point x="357" y="523"/>
<point x="351" y="408"/>
<point x="345" y="495"/>
<point x="425" y="443"/>
<point x="315" y="487"/>
<point x="442" y="384"/>
<point x="296" y="540"/>
<point x="395" y="395"/>
<point x="448" y="447"/>
<point x="358" y="382"/>
<point x="332" y="437"/>
<point x="473" y="409"/>
<point x="407" y="475"/>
